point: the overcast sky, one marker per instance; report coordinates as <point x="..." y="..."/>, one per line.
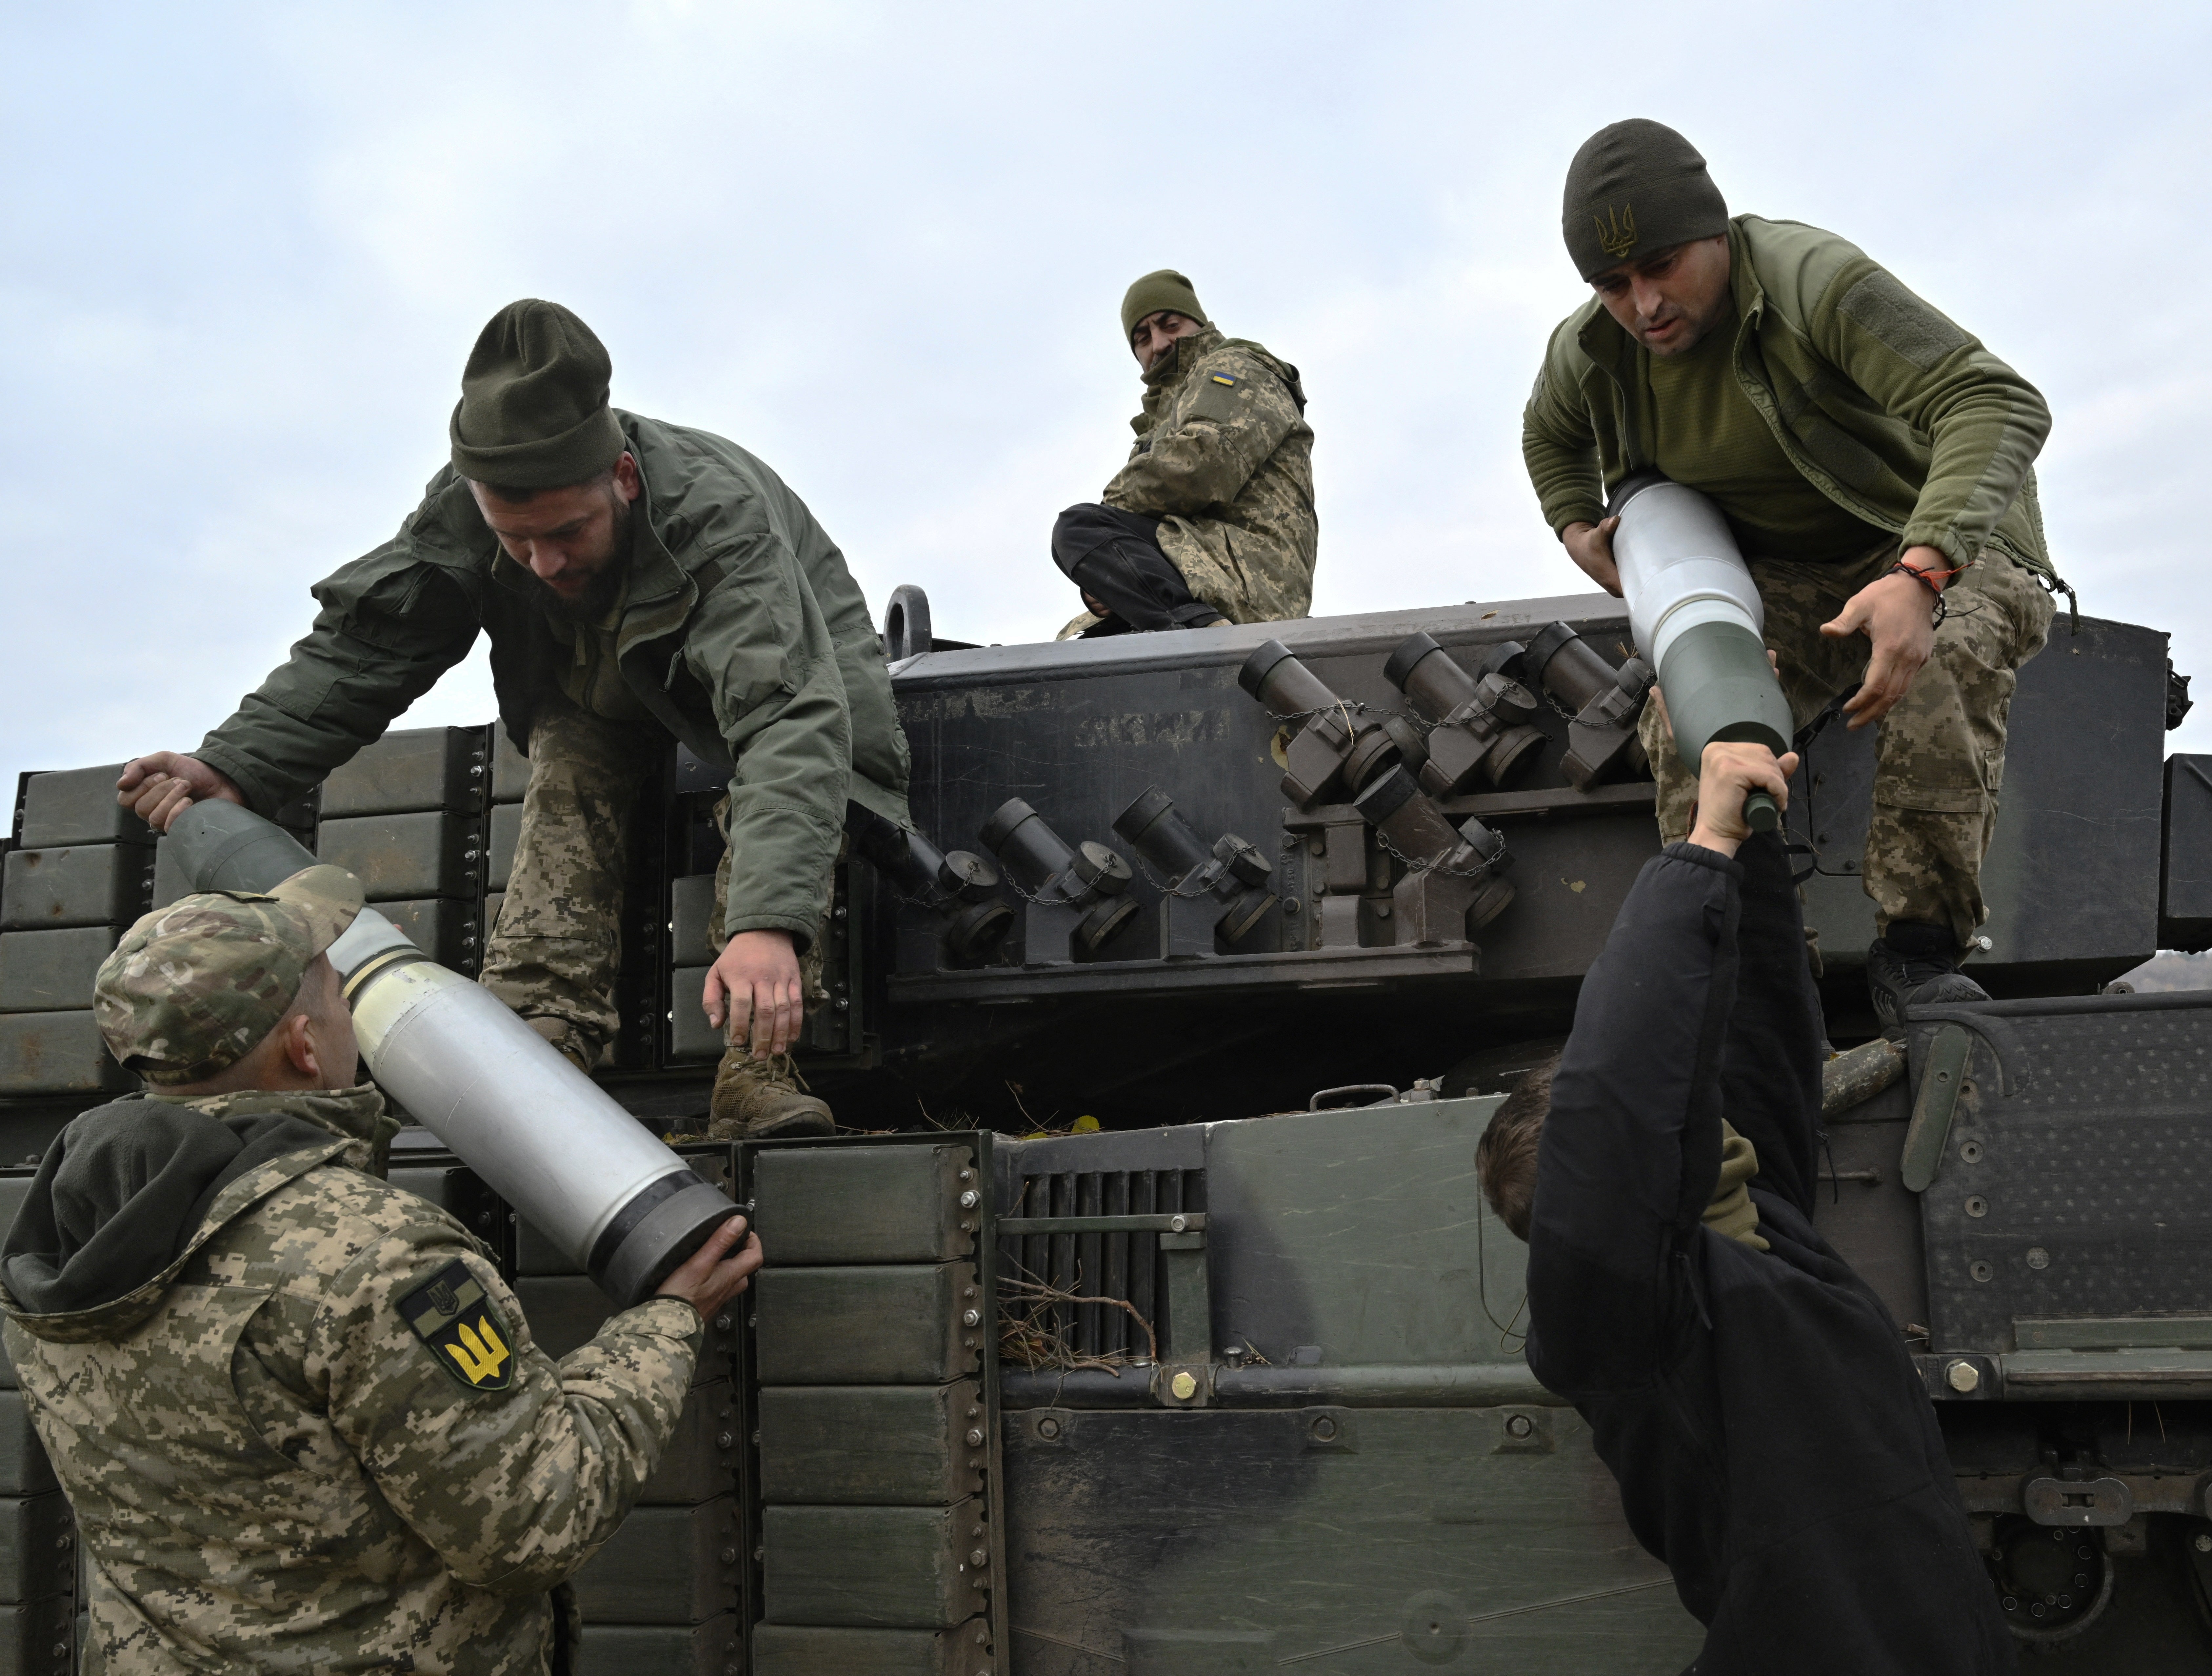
<point x="246" y="249"/>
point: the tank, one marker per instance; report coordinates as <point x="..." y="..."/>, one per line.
<point x="1149" y="1316"/>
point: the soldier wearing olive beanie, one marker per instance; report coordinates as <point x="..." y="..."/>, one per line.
<point x="1212" y="517"/>
<point x="1874" y="463"/>
<point x="533" y="411"/>
<point x="1636" y="187"/>
<point x="635" y="579"/>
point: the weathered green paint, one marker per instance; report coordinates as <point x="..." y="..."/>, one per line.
<point x="504" y="831"/>
<point x="78" y="805"/>
<point x="45" y="972"/>
<point x="700" y="1460"/>
<point x="35" y="1635"/>
<point x="24" y="1468"/>
<point x="782" y="1649"/>
<point x="1932" y="1107"/>
<point x="85" y="883"/>
<point x="665" y="1565"/>
<point x="401" y="857"/>
<point x="883" y="1445"/>
<point x="866" y="1204"/>
<point x="38" y="1550"/>
<point x="630" y="1650"/>
<point x="57" y="1053"/>
<point x="409" y="768"/>
<point x="887" y="1324"/>
<point x="1228" y="1539"/>
<point x="874" y="1567"/>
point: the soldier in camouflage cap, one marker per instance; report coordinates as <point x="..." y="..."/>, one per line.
<point x="300" y="1419"/>
<point x="194" y="987"/>
<point x="1212" y="517"/>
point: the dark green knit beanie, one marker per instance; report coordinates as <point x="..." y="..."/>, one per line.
<point x="1634" y="189"/>
<point x="1165" y="288"/>
<point x="533" y="410"/>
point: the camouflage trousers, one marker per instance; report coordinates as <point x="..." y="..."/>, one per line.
<point x="556" y="952"/>
<point x="1940" y="753"/>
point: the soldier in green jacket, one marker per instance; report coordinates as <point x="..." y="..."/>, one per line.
<point x="1876" y="464"/>
<point x="300" y="1419"/>
<point x="1212" y="518"/>
<point x="639" y="583"/>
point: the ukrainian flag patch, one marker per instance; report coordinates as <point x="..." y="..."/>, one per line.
<point x="1224" y="378"/>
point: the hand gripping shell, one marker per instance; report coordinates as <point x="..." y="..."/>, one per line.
<point x="1698" y="619"/>
<point x="548" y="1140"/>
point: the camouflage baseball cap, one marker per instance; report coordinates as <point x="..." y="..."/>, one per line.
<point x="192" y="988"/>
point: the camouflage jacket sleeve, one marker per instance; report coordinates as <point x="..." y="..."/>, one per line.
<point x="1225" y="433"/>
<point x="391" y="623"/>
<point x="1557" y="441"/>
<point x="514" y="1469"/>
<point x="1986" y="424"/>
<point x="762" y="649"/>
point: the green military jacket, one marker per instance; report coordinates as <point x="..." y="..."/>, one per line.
<point x="742" y="632"/>
<point x="1224" y="458"/>
<point x="272" y="1470"/>
<point x="1896" y="414"/>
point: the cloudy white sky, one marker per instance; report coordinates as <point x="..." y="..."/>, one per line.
<point x="247" y="248"/>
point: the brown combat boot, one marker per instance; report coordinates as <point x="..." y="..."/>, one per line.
<point x="757" y="1099"/>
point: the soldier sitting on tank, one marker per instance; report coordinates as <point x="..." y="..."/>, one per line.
<point x="1873" y="461"/>
<point x="1212" y="518"/>
<point x="639" y="582"/>
<point x="1772" y="1440"/>
<point x="300" y="1418"/>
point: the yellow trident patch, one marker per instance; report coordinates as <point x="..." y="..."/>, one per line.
<point x="1616" y="230"/>
<point x="481" y="1354"/>
<point x="453" y="1315"/>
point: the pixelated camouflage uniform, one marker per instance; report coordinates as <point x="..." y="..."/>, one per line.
<point x="1906" y="422"/>
<point x="270" y="1469"/>
<point x="557" y="951"/>
<point x="1940" y="752"/>
<point x="1224" y="458"/>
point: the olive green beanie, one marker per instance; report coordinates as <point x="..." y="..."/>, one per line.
<point x="533" y="410"/>
<point x="1165" y="288"/>
<point x="1635" y="189"/>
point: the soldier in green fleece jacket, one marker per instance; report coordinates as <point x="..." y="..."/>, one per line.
<point x="1876" y="464"/>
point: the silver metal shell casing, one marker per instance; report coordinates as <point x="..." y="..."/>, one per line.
<point x="1679" y="567"/>
<point x="541" y="1133"/>
<point x="543" y="1136"/>
<point x="1698" y="619"/>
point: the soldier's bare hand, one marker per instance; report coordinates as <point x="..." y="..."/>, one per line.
<point x="1729" y="771"/>
<point x="161" y="785"/>
<point x="1590" y="546"/>
<point x="1896" y="615"/>
<point x="753" y="993"/>
<point x="717" y="1271"/>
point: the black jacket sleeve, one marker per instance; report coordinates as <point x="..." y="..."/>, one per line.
<point x="1633" y="1145"/>
<point x="1770" y="1082"/>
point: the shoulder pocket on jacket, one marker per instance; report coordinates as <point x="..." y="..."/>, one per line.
<point x="1224" y="397"/>
<point x="1901" y="322"/>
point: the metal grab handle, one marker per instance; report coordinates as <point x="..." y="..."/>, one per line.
<point x="1387" y="1090"/>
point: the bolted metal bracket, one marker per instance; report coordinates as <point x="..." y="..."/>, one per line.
<point x="1941" y="1079"/>
<point x="1182" y="1386"/>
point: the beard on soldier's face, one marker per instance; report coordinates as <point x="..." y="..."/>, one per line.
<point x="591" y="603"/>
